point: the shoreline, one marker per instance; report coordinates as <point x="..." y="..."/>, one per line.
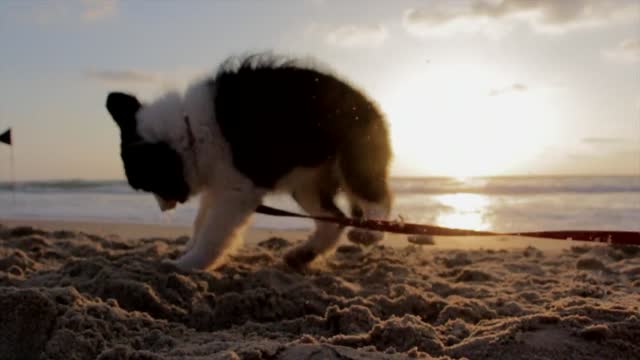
<point x="138" y="230"/>
<point x="255" y="235"/>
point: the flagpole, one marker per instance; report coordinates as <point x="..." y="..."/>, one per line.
<point x="6" y="138"/>
<point x="13" y="177"/>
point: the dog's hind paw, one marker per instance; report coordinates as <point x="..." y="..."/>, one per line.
<point x="365" y="237"/>
<point x="299" y="257"/>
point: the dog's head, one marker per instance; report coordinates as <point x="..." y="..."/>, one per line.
<point x="155" y="166"/>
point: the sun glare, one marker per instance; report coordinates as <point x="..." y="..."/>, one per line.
<point x="453" y="122"/>
<point x="465" y="211"/>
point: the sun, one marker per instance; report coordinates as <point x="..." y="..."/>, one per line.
<point x="446" y="122"/>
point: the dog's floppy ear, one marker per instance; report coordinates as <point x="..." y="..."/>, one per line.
<point x="123" y="108"/>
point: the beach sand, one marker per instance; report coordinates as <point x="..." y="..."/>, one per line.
<point x="73" y="290"/>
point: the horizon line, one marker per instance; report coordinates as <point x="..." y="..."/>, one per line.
<point x="399" y="177"/>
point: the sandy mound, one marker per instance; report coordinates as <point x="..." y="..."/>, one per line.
<point x="67" y="295"/>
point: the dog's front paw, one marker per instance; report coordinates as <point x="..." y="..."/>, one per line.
<point x="299" y="257"/>
<point x="365" y="237"/>
<point x="189" y="261"/>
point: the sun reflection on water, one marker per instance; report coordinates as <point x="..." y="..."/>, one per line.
<point x="464" y="211"/>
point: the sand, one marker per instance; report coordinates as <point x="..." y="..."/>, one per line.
<point x="82" y="293"/>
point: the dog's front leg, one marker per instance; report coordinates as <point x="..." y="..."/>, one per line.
<point x="206" y="202"/>
<point x="220" y="225"/>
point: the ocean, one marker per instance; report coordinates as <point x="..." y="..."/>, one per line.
<point x="498" y="204"/>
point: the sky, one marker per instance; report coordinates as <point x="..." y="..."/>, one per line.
<point x="469" y="87"/>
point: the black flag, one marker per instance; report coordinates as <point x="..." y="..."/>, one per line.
<point x="5" y="137"/>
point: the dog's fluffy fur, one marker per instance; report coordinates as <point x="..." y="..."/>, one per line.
<point x="260" y="125"/>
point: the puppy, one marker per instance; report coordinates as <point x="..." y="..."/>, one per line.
<point x="262" y="124"/>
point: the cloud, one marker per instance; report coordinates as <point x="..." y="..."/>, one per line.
<point x="517" y="87"/>
<point x="547" y="15"/>
<point x="360" y="36"/>
<point x="604" y="140"/>
<point x="627" y="51"/>
<point x="495" y="17"/>
<point x="442" y="19"/>
<point x="153" y="82"/>
<point x="61" y="11"/>
<point x="94" y="10"/>
<point x="120" y="76"/>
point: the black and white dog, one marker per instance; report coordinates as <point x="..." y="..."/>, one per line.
<point x="262" y="124"/>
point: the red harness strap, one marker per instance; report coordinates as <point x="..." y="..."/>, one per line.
<point x="612" y="237"/>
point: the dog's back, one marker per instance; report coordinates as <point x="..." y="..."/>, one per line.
<point x="277" y="117"/>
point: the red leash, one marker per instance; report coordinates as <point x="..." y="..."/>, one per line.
<point x="612" y="237"/>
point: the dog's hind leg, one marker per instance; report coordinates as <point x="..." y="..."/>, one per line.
<point x="222" y="224"/>
<point x="316" y="197"/>
<point x="364" y="172"/>
<point x="368" y="210"/>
